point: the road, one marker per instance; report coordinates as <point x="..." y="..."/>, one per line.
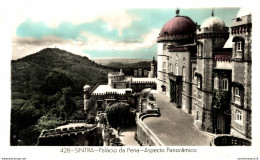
<point x="175" y="127"/>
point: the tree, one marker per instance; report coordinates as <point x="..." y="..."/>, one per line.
<point x="117" y="114"/>
<point x="69" y="105"/>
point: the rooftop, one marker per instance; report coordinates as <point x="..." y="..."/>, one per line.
<point x="102" y="89"/>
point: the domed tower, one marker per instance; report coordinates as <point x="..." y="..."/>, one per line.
<point x="211" y="37"/>
<point x="175" y="45"/>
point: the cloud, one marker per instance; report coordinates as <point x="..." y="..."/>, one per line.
<point x="99" y="43"/>
<point x="53" y="14"/>
<point x="94" y="31"/>
<point x="23" y="46"/>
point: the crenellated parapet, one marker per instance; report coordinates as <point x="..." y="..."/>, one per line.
<point x="67" y="131"/>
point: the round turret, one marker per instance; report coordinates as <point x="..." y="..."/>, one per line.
<point x="214" y="22"/>
<point x="213" y="25"/>
<point x="86" y="88"/>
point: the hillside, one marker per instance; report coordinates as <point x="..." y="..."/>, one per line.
<point x="107" y="61"/>
<point x="47" y="89"/>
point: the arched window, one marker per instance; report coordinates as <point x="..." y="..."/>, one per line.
<point x="225" y="84"/>
<point x="164" y="65"/>
<point x="237" y="96"/>
<point x="239" y="47"/>
<point x="200" y="49"/>
<point x="163" y="88"/>
<point x="198" y="115"/>
<point x="199" y="82"/>
<point x="184" y="61"/>
<point x="183" y="73"/>
<point x="194" y="71"/>
<point x="237" y="93"/>
<point x="216" y="83"/>
<point x="164" y="47"/>
<point x="170" y="70"/>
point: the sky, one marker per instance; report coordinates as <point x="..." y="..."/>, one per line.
<point x="98" y="33"/>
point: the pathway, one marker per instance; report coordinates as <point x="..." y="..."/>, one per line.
<point x="175" y="127"/>
<point x="127" y="136"/>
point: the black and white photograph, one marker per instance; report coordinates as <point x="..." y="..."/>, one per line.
<point x="88" y="79"/>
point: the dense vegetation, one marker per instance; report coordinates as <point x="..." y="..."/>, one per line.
<point x="47" y="90"/>
<point x="129" y="68"/>
<point x="120" y="115"/>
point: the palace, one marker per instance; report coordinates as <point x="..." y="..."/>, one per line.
<point x="207" y="72"/>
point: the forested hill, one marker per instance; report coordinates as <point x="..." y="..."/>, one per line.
<point x="63" y="66"/>
<point x="46" y="89"/>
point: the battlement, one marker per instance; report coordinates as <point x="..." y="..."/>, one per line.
<point x="241" y="20"/>
<point x="67" y="131"/>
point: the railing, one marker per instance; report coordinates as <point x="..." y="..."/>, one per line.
<point x="229" y="140"/>
<point x="146" y="130"/>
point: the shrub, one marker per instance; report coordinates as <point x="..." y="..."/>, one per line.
<point x="118" y="114"/>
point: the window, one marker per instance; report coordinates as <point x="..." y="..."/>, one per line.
<point x="237" y="92"/>
<point x="183" y="72"/>
<point x="225" y="84"/>
<point x="177" y="69"/>
<point x="198" y="115"/>
<point x="200" y="50"/>
<point x="216" y="83"/>
<point x="194" y="71"/>
<point x="237" y="96"/>
<point x="199" y="82"/>
<point x="164" y="47"/>
<point x="170" y="70"/>
<point x="164" y="64"/>
<point x="239" y="46"/>
<point x="239" y="117"/>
